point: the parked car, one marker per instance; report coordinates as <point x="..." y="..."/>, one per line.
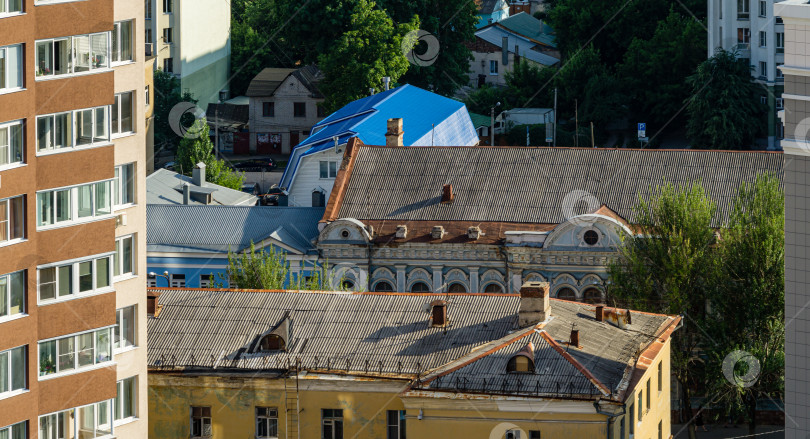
<point x="255" y="165"/>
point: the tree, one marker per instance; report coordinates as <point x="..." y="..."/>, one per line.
<point x="723" y="111"/>
<point x="749" y="303"/>
<point x="196" y="147"/>
<point x="670" y="267"/>
<point x="167" y="95"/>
<point x="312" y="28"/>
<point x="482" y="100"/>
<point x="370" y="50"/>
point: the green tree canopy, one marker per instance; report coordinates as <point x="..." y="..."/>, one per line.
<point x="167" y="95"/>
<point x="196" y="147"/>
<point x="723" y="112"/>
<point x="363" y="55"/>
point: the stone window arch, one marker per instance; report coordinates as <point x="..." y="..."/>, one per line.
<point x="566" y="292"/>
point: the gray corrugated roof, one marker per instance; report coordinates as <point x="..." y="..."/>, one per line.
<point x="373" y="333"/>
<point x="267" y="81"/>
<point x="528" y="185"/>
<point x="165" y="187"/>
<point x="190" y="228"/>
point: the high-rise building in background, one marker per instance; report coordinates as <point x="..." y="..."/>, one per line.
<point x="751" y="28"/>
<point x="192" y="39"/>
<point x="72" y="219"/>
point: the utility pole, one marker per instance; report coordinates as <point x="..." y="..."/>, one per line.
<point x="592" y="144"/>
<point x="554" y="135"/>
<point x="576" y="123"/>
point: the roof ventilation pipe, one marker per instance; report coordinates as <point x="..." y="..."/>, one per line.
<point x="387" y="82"/>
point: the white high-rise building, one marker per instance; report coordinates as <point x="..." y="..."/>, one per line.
<point x="751" y="28"/>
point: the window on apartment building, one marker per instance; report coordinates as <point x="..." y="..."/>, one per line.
<point x="206" y="280"/>
<point x="74" y="54"/>
<point x="396" y="424"/>
<point x="780" y="76"/>
<point x="77" y="204"/>
<point x="178" y="280"/>
<point x="780" y="40"/>
<point x="11" y="143"/>
<point x="763" y="68"/>
<point x="534" y="434"/>
<point x="660" y="378"/>
<point x="493" y="67"/>
<point x="148" y="39"/>
<point x="167" y="35"/>
<point x="9" y="7"/>
<point x="124" y="185"/>
<point x="743" y="10"/>
<point x="743" y="35"/>
<point x="779" y="20"/>
<point x="147" y="13"/>
<point x="763" y="8"/>
<point x="332" y="424"/>
<point x="125" y="403"/>
<point x="328" y="169"/>
<point x="299" y="109"/>
<point x="124" y="334"/>
<point x="146" y="97"/>
<point x="200" y="421"/>
<point x="73" y="129"/>
<point x="12" y="294"/>
<point x="11" y="67"/>
<point x="15" y="431"/>
<point x="90" y="421"/>
<point x="266" y="423"/>
<point x="780" y="103"/>
<point x="74" y="351"/>
<point x="649" y="392"/>
<point x="122" y="41"/>
<point x="168" y="65"/>
<point x="167" y="6"/>
<point x="12" y="371"/>
<point x="121" y="111"/>
<point x="76" y="278"/>
<point x="720" y="11"/>
<point x="640" y="404"/>
<point x="632" y="412"/>
<point x="268" y="109"/>
<point x="763" y="39"/>
<point x="12" y="219"/>
<point x="123" y="261"/>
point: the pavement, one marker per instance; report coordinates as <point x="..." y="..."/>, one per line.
<point x="717" y="431"/>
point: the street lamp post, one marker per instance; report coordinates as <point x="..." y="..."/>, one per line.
<point x="165" y="274"/>
<point x="492" y="124"/>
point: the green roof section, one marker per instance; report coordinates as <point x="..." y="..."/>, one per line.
<point x="479" y="120"/>
<point x="529" y="27"/>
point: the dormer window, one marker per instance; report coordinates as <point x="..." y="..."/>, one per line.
<point x="523" y="361"/>
<point x="274" y="339"/>
<point x="438" y="313"/>
<point x="272" y="342"/>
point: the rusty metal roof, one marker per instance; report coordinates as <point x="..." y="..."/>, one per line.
<point x="384" y="334"/>
<point x="533" y="185"/>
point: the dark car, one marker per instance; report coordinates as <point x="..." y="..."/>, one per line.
<point x="255" y="165"/>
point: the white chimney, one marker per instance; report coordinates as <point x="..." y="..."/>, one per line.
<point x="198" y="175"/>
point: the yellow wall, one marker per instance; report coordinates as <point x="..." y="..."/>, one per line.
<point x="660" y="410"/>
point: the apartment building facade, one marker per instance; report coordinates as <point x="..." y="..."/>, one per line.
<point x="796" y="15"/>
<point x="191" y="39"/>
<point x="72" y="230"/>
<point x="752" y="29"/>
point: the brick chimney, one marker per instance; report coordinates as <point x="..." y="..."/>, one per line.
<point x="152" y="306"/>
<point x="534" y="303"/>
<point x="447" y="193"/>
<point x="395" y="134"/>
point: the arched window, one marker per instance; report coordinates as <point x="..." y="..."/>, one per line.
<point x="457" y="288"/>
<point x="420" y="287"/>
<point x="272" y="342"/>
<point x="520" y="364"/>
<point x="566" y="293"/>
<point x="347" y="284"/>
<point x="592" y="295"/>
<point x="493" y="288"/>
<point x="383" y="287"/>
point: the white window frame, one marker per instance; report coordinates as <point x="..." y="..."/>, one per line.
<point x="780" y="103"/>
<point x="119" y="265"/>
<point x="779" y="73"/>
<point x="177" y="283"/>
<point x="400" y="428"/>
<point x="97" y="364"/>
<point x="146" y="96"/>
<point x="763" y="39"/>
<point x="72" y="61"/>
<point x="10" y="428"/>
<point x="118" y="187"/>
<point x="12" y="13"/>
<point x="118" y="402"/>
<point x="74" y="414"/>
<point x="166" y="62"/>
<point x="21" y="127"/>
<point x="203" y="424"/>
<point x="331" y="169"/>
<point x="780" y="40"/>
<point x="73" y="122"/>
<point x="763" y="8"/>
<point x="119" y="341"/>
<point x="115" y="132"/>
<point x="763" y="68"/>
<point x="14" y="392"/>
<point x="168" y="7"/>
<point x="117" y="31"/>
<point x="7" y="278"/>
<point x="743" y="10"/>
<point x="207" y="283"/>
<point x="266" y="418"/>
<point x="168" y="35"/>
<point x="74" y="208"/>
<point x="147" y="13"/>
<point x="74" y="287"/>
<point x="20" y="63"/>
<point x="493" y="67"/>
<point x="7" y="223"/>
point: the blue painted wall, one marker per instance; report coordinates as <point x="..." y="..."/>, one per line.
<point x="192" y="268"/>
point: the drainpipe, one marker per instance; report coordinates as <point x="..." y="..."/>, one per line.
<point x="610" y="416"/>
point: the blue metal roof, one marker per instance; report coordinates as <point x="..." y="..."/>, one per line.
<point x="428" y="119"/>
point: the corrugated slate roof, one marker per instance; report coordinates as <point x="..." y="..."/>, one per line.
<point x="494" y="35"/>
<point x="166" y="187"/>
<point x="530" y="185"/>
<point x="267" y="81"/>
<point x="381" y="333"/>
<point x="428" y="119"/>
<point x="530" y="27"/>
<point x="190" y="228"/>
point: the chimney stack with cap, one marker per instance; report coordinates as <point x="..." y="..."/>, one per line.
<point x="198" y="174"/>
<point x="186" y="194"/>
<point x="534" y="303"/>
<point x="447" y="193"/>
<point x="395" y="134"/>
